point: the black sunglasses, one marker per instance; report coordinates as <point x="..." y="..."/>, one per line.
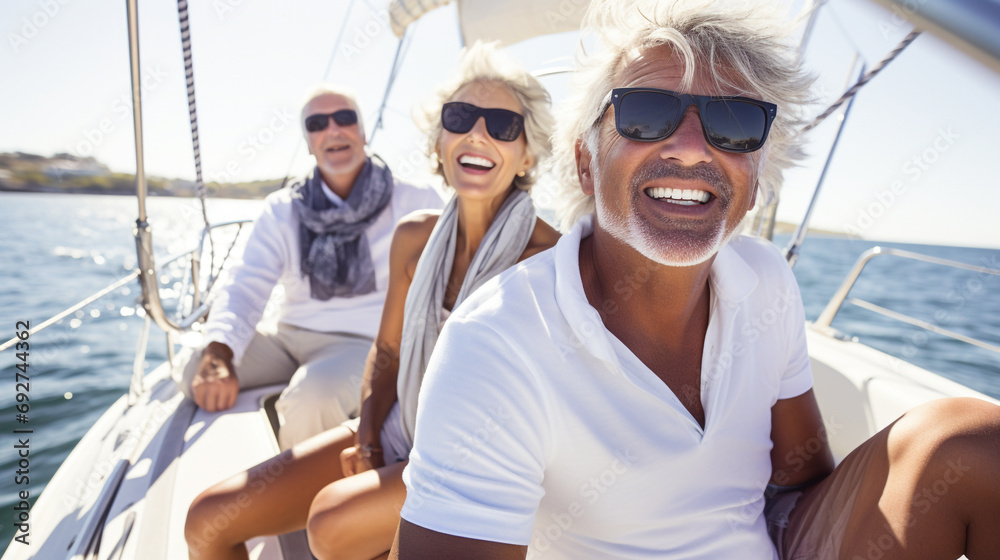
<point x="731" y="124"/>
<point x="501" y="124"/>
<point x="343" y="117"/>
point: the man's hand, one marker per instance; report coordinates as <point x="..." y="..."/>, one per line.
<point x="215" y="387"/>
<point x="353" y="461"/>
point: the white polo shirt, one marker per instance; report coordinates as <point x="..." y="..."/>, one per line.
<point x="537" y="426"/>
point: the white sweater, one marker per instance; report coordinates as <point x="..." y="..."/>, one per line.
<point x="272" y="257"/>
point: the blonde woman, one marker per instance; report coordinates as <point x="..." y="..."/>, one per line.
<point x="487" y="131"/>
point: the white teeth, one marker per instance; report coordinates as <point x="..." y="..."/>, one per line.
<point x="681" y="195"/>
<point x="474" y="160"/>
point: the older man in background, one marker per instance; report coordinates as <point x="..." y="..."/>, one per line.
<point x="326" y="241"/>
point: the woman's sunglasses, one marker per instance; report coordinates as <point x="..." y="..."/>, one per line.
<point x="731" y="124"/>
<point x="343" y="117"/>
<point x="501" y="124"/>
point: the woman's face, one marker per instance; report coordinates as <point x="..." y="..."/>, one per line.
<point x="475" y="164"/>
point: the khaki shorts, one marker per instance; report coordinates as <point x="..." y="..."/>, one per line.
<point x="811" y="523"/>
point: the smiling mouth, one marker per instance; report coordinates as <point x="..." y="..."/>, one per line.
<point x="338" y="148"/>
<point x="476" y="163"/>
<point x="683" y="197"/>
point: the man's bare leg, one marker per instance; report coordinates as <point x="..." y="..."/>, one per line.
<point x="270" y="499"/>
<point x="927" y="486"/>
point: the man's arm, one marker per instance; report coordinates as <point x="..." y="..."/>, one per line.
<point x="236" y="312"/>
<point x="801" y="452"/>
<point x="418" y="543"/>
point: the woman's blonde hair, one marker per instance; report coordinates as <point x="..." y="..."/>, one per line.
<point x="742" y="45"/>
<point x="483" y="64"/>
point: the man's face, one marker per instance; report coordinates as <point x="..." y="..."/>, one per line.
<point x="630" y="178"/>
<point x="339" y="150"/>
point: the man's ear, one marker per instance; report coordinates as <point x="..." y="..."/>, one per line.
<point x="753" y="195"/>
<point x="583" y="157"/>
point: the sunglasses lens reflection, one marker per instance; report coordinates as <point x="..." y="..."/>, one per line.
<point x="501" y="124"/>
<point x="731" y="125"/>
<point x="734" y="125"/>
<point x="648" y="115"/>
<point x="343" y="117"/>
<point x="459" y="117"/>
<point x="315" y="123"/>
<point x="504" y="125"/>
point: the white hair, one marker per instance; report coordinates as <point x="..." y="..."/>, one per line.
<point x="742" y="44"/>
<point x="483" y="64"/>
<point x="320" y="90"/>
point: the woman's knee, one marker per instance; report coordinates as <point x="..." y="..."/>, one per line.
<point x="210" y="520"/>
<point x="328" y="526"/>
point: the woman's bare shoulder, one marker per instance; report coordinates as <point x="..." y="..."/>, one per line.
<point x="543" y="237"/>
<point x="410" y="237"/>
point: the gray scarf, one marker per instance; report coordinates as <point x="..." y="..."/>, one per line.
<point x="504" y="243"/>
<point x="333" y="244"/>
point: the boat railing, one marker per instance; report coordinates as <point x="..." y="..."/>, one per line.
<point x="199" y="301"/>
<point x="837" y="301"/>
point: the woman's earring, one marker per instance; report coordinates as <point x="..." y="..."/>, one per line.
<point x="520" y="173"/>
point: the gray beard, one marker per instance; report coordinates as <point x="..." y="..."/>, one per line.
<point x="685" y="244"/>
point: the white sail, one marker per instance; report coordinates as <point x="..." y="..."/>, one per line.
<point x="490" y="20"/>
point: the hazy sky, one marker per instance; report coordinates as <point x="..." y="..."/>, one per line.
<point x="915" y="162"/>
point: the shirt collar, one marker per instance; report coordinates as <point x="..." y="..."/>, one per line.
<point x="330" y="195"/>
<point x="732" y="279"/>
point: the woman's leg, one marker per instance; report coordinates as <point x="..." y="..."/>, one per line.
<point x="269" y="499"/>
<point x="356" y="517"/>
<point x="927" y="486"/>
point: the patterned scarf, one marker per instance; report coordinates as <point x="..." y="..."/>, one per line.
<point x="334" y="247"/>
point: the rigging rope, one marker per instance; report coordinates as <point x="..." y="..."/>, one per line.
<point x="404" y="46"/>
<point x="326" y="73"/>
<point x="864" y="80"/>
<point x="182" y="14"/>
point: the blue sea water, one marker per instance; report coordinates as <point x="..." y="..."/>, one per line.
<point x="59" y="249"/>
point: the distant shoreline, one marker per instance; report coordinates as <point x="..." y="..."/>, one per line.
<point x="70" y="174"/>
<point x="214" y="191"/>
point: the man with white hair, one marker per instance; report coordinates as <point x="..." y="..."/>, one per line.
<point x="326" y="241"/>
<point x="611" y="397"/>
